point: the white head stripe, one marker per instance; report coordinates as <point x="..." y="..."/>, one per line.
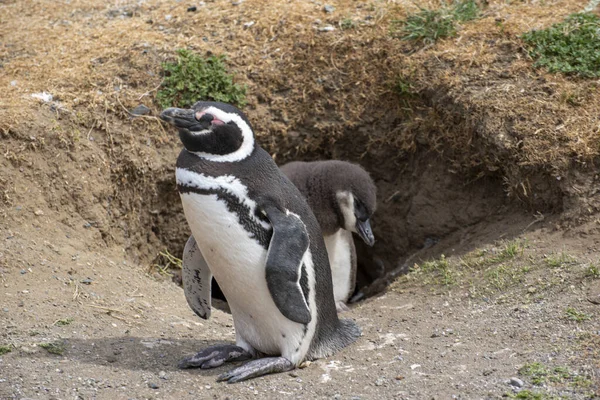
<point x="247" y="137"/>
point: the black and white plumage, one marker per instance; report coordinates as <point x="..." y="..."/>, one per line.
<point x="254" y="232"/>
<point x="343" y="197"/>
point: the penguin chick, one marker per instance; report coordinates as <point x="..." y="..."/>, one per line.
<point x="254" y="232"/>
<point x="342" y="196"/>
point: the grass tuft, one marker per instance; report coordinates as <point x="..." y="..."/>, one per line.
<point x="57" y="347"/>
<point x="5" y="349"/>
<point x="576" y="316"/>
<point x="571" y="47"/>
<point x="439" y="271"/>
<point x="427" y="26"/>
<point x="64" y="322"/>
<point x="193" y="78"/>
<point x="592" y="271"/>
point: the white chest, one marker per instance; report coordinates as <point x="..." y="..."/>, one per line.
<point x="237" y="261"/>
<point x="340" y="259"/>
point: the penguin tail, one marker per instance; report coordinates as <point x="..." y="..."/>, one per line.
<point x="348" y="332"/>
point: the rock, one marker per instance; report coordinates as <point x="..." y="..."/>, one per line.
<point x="399" y="378"/>
<point x="328" y="8"/>
<point x="293" y="374"/>
<point x="23" y="272"/>
<point x="5" y="309"/>
<point x="163" y="375"/>
<point x="141" y="109"/>
<point x="168" y="17"/>
<point x="379" y="382"/>
<point x="87" y="281"/>
<point x="153" y="385"/>
<point x="45" y="97"/>
<point x="516" y="382"/>
<point x="38" y="212"/>
<point x="326" y="28"/>
<point x="192" y="8"/>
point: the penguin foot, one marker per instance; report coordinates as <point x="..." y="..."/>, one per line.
<point x="214" y="356"/>
<point x="254" y="368"/>
<point x="341" y="307"/>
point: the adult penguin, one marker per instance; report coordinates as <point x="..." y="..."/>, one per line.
<point x="260" y="241"/>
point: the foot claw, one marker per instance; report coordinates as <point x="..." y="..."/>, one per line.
<point x="214" y="356"/>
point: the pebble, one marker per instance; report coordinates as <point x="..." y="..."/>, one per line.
<point x="379" y="382"/>
<point x="293" y="374"/>
<point x="5" y="309"/>
<point x="168" y="17"/>
<point x="87" y="281"/>
<point x="38" y="212"/>
<point x="192" y="8"/>
<point x="516" y="382"/>
<point x="328" y="8"/>
<point x="23" y="272"/>
<point x="163" y="375"/>
<point x="141" y="109"/>
<point x="153" y="385"/>
<point x="326" y="28"/>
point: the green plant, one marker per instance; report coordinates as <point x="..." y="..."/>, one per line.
<point x="427" y="26"/>
<point x="560" y="260"/>
<point x="5" y="349"/>
<point x="192" y="78"/>
<point x="63" y="322"/>
<point x="347" y="23"/>
<point x="53" y="347"/>
<point x="576" y="316"/>
<point x="526" y="395"/>
<point x="439" y="270"/>
<point x="592" y="271"/>
<point x="570" y="47"/>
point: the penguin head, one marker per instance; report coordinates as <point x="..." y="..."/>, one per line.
<point x="213" y="130"/>
<point x="355" y="195"/>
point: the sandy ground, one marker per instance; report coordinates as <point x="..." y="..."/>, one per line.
<point x="121" y="331"/>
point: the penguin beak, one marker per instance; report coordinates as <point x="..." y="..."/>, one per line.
<point x="363" y="228"/>
<point x="184" y="119"/>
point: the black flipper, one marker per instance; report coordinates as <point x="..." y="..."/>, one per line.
<point x="254" y="368"/>
<point x="214" y="356"/>
<point x="284" y="261"/>
<point x="196" y="277"/>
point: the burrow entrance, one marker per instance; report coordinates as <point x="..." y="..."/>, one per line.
<point x="421" y="201"/>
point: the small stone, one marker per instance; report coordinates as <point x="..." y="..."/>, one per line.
<point x="163" y="375"/>
<point x="23" y="271"/>
<point x="488" y="372"/>
<point x="305" y="364"/>
<point x="435" y="334"/>
<point x="326" y="28"/>
<point x="18" y="208"/>
<point x="248" y="24"/>
<point x="168" y="17"/>
<point x="192" y="8"/>
<point x="5" y="309"/>
<point x="328" y="8"/>
<point x="13" y="83"/>
<point x="379" y="382"/>
<point x="237" y="3"/>
<point x="293" y="374"/>
<point x="140" y="110"/>
<point x="516" y="382"/>
<point x="531" y="289"/>
<point x="87" y="281"/>
<point x="39" y="212"/>
<point x="399" y="378"/>
<point x="153" y="385"/>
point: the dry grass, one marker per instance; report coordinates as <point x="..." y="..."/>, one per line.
<point x="478" y="100"/>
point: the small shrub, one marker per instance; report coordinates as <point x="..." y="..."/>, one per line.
<point x="5" y="349"/>
<point x="193" y="78"/>
<point x="571" y="47"/>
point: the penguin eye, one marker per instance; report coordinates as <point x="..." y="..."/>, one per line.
<point x="360" y="211"/>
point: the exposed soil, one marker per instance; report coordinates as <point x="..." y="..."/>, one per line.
<point x="483" y="153"/>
